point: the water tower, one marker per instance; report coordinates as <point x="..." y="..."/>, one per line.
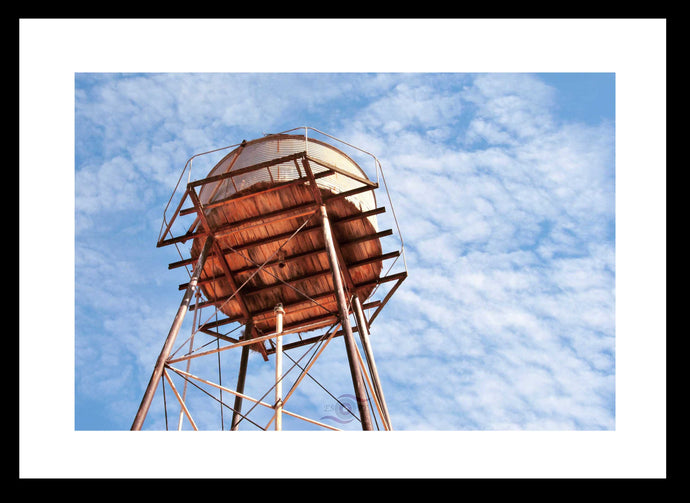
<point x="284" y="246"/>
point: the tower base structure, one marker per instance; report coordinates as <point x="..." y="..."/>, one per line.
<point x="293" y="263"/>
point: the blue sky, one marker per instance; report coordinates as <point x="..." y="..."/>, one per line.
<point x="505" y="186"/>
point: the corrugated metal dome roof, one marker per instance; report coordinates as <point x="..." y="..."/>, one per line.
<point x="281" y="145"/>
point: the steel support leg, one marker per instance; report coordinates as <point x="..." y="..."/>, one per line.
<point x="172" y="335"/>
<point x="244" y="357"/>
<point x="279" y="367"/>
<point x="357" y="381"/>
<point x="363" y="330"/>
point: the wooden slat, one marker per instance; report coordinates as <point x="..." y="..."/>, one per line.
<point x="266" y="219"/>
<point x="228" y="273"/>
<point x="320" y="297"/>
<point x="369" y="260"/>
<point x="279" y="237"/>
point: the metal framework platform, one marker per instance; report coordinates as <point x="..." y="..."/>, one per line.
<point x="287" y="258"/>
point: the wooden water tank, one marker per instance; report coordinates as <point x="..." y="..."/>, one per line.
<point x="259" y="203"/>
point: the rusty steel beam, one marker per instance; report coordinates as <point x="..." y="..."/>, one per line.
<point x="248" y="169"/>
<point x="363" y="329"/>
<point x="349" y="283"/>
<point x="181" y="239"/>
<point x="343" y="172"/>
<point x="220" y="336"/>
<point x="316" y="192"/>
<point x="344" y="267"/>
<point x="298" y="256"/>
<point x="244" y="357"/>
<point x="286" y="283"/>
<point x="280" y="312"/>
<point x="224" y="265"/>
<point x="170" y="340"/>
<point x="279" y="215"/>
<point x="359" y="263"/>
<point x="274" y="188"/>
<point x="265" y="219"/>
<point x="397" y="277"/>
<point x="351" y="349"/>
<point x="304" y="342"/>
<point x="285" y="235"/>
<point x="385" y="279"/>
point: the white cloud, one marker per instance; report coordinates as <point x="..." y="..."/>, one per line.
<point x="510" y="108"/>
<point x="408" y="105"/>
<point x="111" y="187"/>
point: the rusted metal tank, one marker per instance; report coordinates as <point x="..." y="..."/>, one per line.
<point x="259" y="202"/>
